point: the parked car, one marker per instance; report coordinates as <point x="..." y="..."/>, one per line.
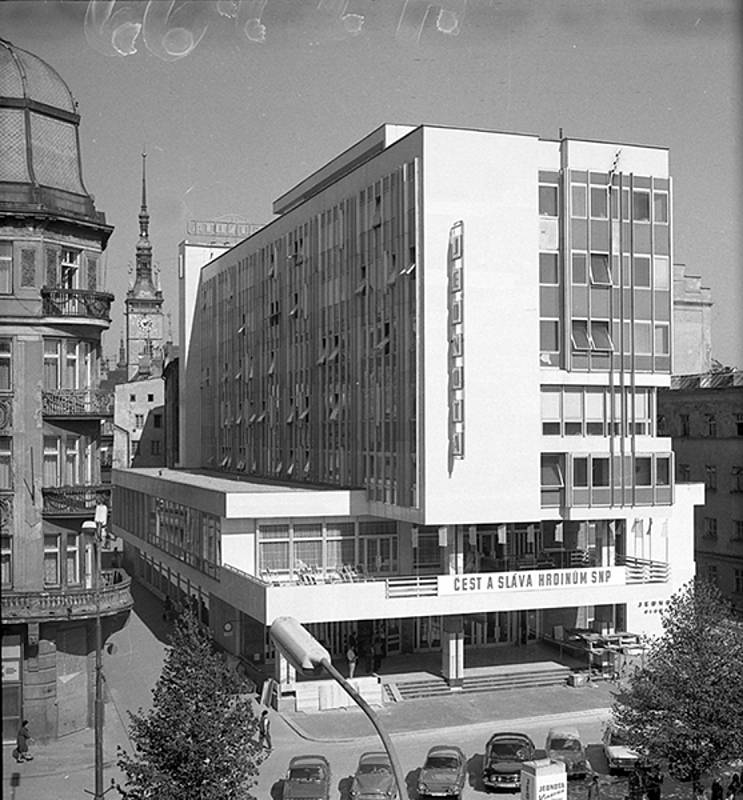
<point x="619" y="757"/>
<point x="374" y="778"/>
<point x="308" y="778"/>
<point x="443" y="773"/>
<point x="504" y="755"/>
<point x="564" y="744"/>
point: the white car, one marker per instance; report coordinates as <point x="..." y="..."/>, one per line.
<point x="619" y="757"/>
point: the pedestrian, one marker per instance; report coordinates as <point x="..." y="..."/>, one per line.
<point x="351" y="658"/>
<point x="378" y="651"/>
<point x="21" y="744"/>
<point x="716" y="792"/>
<point x="734" y="785"/>
<point x="168" y="609"/>
<point x="594" y="788"/>
<point x="264" y="731"/>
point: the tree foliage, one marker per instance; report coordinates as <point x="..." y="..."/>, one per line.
<point x="199" y="739"/>
<point x="685" y="705"/>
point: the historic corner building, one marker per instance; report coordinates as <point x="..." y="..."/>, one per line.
<point x="422" y="402"/>
<point x="53" y="310"/>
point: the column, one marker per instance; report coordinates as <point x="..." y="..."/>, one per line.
<point x="452" y="650"/>
<point x="284" y="673"/>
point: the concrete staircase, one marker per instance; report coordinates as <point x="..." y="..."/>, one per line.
<point x="513" y="676"/>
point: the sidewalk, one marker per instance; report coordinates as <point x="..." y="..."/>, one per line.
<point x="505" y="708"/>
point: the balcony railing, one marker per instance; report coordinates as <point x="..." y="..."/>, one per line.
<point x="70" y="602"/>
<point x="77" y="403"/>
<point x="641" y="570"/>
<point x="74" y="501"/>
<point x="6" y="513"/>
<point x="87" y="303"/>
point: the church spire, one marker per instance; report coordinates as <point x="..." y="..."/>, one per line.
<point x="143" y="283"/>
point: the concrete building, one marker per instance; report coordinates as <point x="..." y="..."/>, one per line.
<point x="692" y="323"/>
<point x="53" y="311"/>
<point x="703" y="414"/>
<point x="139" y="423"/>
<point x="420" y="404"/>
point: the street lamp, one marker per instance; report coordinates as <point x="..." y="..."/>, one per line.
<point x="306" y="654"/>
<point x="94" y="528"/>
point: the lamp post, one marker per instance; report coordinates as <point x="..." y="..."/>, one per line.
<point x="94" y="528"/>
<point x="306" y="654"/>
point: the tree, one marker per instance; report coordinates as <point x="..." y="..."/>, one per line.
<point x="198" y="741"/>
<point x="684" y="707"/>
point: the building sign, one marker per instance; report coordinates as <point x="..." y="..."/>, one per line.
<point x="221" y="229"/>
<point x="544" y="780"/>
<point x="526" y="580"/>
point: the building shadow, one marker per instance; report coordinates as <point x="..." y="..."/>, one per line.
<point x="150" y="610"/>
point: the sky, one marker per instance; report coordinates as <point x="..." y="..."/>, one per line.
<point x="237" y="101"/>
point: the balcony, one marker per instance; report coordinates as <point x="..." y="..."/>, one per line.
<point x="75" y="501"/>
<point x="83" y="304"/>
<point x="572" y="581"/>
<point x="69" y="603"/>
<point x="81" y="403"/>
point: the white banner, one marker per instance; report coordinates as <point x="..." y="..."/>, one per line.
<point x="530" y="580"/>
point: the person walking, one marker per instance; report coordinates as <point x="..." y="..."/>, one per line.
<point x="264" y="731"/>
<point x="351" y="657"/>
<point x="21" y="743"/>
<point x="378" y="651"/>
<point x="716" y="792"/>
<point x="734" y="787"/>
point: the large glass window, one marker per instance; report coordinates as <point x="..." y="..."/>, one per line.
<point x="51" y="560"/>
<point x="73" y="559"/>
<point x="6" y="267"/>
<point x="51" y="461"/>
<point x="641" y="272"/>
<point x="51" y="364"/>
<point x="641" y="206"/>
<point x="70" y="268"/>
<point x="661" y="272"/>
<point x="548" y="273"/>
<point x="600" y="269"/>
<point x="579" y="334"/>
<point x="549" y="336"/>
<point x="580" y="473"/>
<point x="548" y="200"/>
<point x="643" y="474"/>
<point x="660" y="206"/>
<point x="578" y="198"/>
<point x="599" y="202"/>
<point x="600" y="471"/>
<point x="573" y="410"/>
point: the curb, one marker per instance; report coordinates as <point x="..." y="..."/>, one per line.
<point x="514" y="723"/>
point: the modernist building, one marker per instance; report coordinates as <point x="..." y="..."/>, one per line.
<point x="704" y="416"/>
<point x="53" y="310"/>
<point x="422" y="401"/>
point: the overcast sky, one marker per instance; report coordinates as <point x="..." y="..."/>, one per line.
<point x="232" y="122"/>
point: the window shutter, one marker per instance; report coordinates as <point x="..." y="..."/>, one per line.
<point x="28" y="267"/>
<point x="52" y="267"/>
<point x="92" y="273"/>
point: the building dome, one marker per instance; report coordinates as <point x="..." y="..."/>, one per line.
<point x="39" y="123"/>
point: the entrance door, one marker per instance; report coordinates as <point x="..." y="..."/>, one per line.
<point x="475" y="629"/>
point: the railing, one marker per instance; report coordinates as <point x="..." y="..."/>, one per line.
<point x="75" y="501"/>
<point x="77" y="403"/>
<point x="76" y="303"/>
<point x="642" y="570"/>
<point x="69" y="603"/>
<point x="6" y="513"/>
<point x="412" y="586"/>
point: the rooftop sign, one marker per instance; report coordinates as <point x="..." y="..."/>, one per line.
<point x="221" y="229"/>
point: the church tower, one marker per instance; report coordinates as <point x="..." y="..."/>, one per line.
<point x="144" y="312"/>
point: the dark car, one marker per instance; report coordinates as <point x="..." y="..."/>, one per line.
<point x="504" y="755"/>
<point x="443" y="772"/>
<point x="308" y="778"/>
<point x="374" y="779"/>
<point x="564" y="744"/>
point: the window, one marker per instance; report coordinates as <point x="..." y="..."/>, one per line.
<point x="6" y="462"/>
<point x="51" y="467"/>
<point x="710" y="527"/>
<point x="73" y="558"/>
<point x="738" y="423"/>
<point x="552" y="479"/>
<point x="132" y="398"/>
<point x="573" y="411"/>
<point x="72" y="475"/>
<point x="600" y="269"/>
<point x="710" y="476"/>
<point x="711" y="421"/>
<point x="712" y="576"/>
<point x="600" y="472"/>
<point x="598" y="202"/>
<point x="594" y="412"/>
<point x="139" y="420"/>
<point x="157" y="420"/>
<point x="578" y="200"/>
<point x="579" y="335"/>
<point x="579" y="268"/>
<point x="643" y="476"/>
<point x="662" y="340"/>
<point x="738" y="581"/>
<point x="736" y="479"/>
<point x="662" y="471"/>
<point x="69" y="265"/>
<point x="641" y="206"/>
<point x="660" y="206"/>
<point x="6" y="365"/>
<point x="155" y="447"/>
<point x="600" y="337"/>
<point x="6" y="267"/>
<point x="684" y="421"/>
<point x="6" y="560"/>
<point x="661" y="273"/>
<point x="52" y="377"/>
<point x="548" y="273"/>
<point x="580" y="473"/>
<point x="642" y="338"/>
<point x="550" y="412"/>
<point x="51" y="560"/>
<point x="457" y="378"/>
<point x="548" y="199"/>
<point x="737" y="530"/>
<point x="150" y="398"/>
<point x="549" y="336"/>
<point x="641" y="272"/>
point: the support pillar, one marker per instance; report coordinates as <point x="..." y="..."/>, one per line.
<point x="285" y="674"/>
<point x="452" y="650"/>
